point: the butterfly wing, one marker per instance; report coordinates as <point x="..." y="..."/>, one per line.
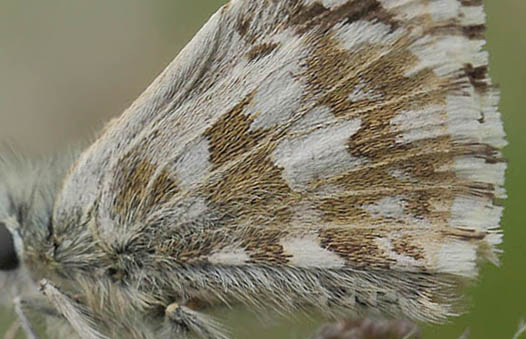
<point x="324" y="135"/>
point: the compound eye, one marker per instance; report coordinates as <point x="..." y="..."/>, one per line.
<point x="8" y="259"/>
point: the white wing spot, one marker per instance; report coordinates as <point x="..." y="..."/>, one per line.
<point x="472" y="15"/>
<point x="457" y="257"/>
<point x="446" y="55"/>
<point x="444" y="10"/>
<point x="279" y="85"/>
<point x="315" y="118"/>
<point x="327" y="3"/>
<point x="463" y="113"/>
<point x="420" y="124"/>
<point x="319" y="154"/>
<point x="401" y="261"/>
<point x="476" y="213"/>
<point x="307" y="252"/>
<point x="351" y="36"/>
<point x="229" y="256"/>
<point x="387" y="207"/>
<point x="194" y="164"/>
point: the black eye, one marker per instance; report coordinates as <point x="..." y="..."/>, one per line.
<point x="8" y="258"/>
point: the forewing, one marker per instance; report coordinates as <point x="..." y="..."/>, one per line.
<point x="314" y="134"/>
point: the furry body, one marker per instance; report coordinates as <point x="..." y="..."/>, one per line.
<point x="341" y="156"/>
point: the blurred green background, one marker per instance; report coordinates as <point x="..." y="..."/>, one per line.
<point x="68" y="66"/>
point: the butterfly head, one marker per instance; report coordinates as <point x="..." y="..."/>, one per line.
<point x="8" y="256"/>
<point x="27" y="194"/>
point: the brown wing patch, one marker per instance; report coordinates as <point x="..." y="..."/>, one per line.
<point x="454" y="27"/>
<point x="252" y="189"/>
<point x="337" y="72"/>
<point x="406" y="245"/>
<point x="357" y="246"/>
<point x="264" y="247"/>
<point x="261" y="245"/>
<point x="477" y="77"/>
<point x="242" y="26"/>
<point x="261" y="50"/>
<point x="247" y="184"/>
<point x="196" y="250"/>
<point x="230" y="136"/>
<point x="141" y="186"/>
<point x="318" y="16"/>
<point x="471" y="2"/>
<point x="414" y="170"/>
<point x="426" y="206"/>
<point x="385" y="76"/>
<point x="334" y="72"/>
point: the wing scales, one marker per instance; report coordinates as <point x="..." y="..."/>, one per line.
<point x="358" y="130"/>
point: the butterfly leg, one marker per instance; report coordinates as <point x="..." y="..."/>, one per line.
<point x="183" y="321"/>
<point x="12" y="331"/>
<point x="24" y="321"/>
<point x="75" y="314"/>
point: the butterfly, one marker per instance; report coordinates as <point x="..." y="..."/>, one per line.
<point x="337" y="156"/>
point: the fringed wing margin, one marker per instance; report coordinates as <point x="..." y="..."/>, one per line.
<point x="359" y="139"/>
